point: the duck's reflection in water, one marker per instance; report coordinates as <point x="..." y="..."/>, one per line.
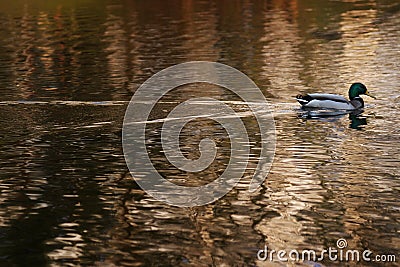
<point x="357" y="121"/>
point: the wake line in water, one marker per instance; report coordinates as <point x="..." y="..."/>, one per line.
<point x="278" y="108"/>
<point x="69" y="103"/>
<point x="122" y="102"/>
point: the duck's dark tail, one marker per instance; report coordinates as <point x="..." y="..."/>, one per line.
<point x="303" y="100"/>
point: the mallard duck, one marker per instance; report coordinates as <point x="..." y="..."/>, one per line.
<point x="331" y="101"/>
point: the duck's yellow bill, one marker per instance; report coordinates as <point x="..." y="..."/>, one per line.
<point x="368" y="94"/>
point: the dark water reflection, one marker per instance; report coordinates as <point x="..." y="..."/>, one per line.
<point x="68" y="69"/>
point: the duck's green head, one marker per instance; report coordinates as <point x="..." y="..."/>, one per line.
<point x="357" y="89"/>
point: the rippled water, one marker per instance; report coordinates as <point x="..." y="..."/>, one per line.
<point x="69" y="68"/>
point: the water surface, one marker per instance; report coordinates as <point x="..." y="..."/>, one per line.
<point x="69" y="68"/>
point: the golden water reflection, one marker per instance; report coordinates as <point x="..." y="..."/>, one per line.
<point x="66" y="194"/>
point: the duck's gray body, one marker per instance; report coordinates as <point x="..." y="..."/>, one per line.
<point x="329" y="101"/>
